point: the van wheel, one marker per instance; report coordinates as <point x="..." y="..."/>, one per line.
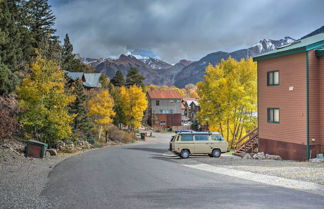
<point x="184" y="153"/>
<point x="216" y="153"/>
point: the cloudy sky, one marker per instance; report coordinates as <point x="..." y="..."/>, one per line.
<point x="177" y="29"/>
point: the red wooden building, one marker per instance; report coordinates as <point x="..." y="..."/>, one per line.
<point x="291" y="99"/>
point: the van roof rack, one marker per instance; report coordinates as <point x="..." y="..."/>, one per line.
<point x="196" y="132"/>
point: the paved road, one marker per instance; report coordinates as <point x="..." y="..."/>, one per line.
<point x="142" y="176"/>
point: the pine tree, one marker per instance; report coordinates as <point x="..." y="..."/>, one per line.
<point x="8" y="80"/>
<point x="40" y="20"/>
<point x="67" y="54"/>
<point x="119" y="117"/>
<point x="134" y="78"/>
<point x="81" y="122"/>
<point x="118" y="80"/>
<point x="10" y="50"/>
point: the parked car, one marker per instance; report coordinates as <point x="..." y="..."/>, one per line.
<point x="187" y="143"/>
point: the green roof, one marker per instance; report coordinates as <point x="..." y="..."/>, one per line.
<point x="320" y="51"/>
<point x="298" y="46"/>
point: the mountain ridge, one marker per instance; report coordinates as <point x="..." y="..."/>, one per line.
<point x="159" y="72"/>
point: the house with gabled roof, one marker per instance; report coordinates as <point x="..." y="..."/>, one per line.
<point x="291" y="99"/>
<point x="164" y="109"/>
<point x="89" y="80"/>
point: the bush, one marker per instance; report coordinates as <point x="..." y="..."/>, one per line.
<point x="8" y="113"/>
<point x="117" y="135"/>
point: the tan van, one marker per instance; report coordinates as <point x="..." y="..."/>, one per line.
<point x="190" y="142"/>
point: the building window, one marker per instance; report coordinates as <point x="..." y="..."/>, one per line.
<point x="157" y="102"/>
<point x="171" y="101"/>
<point x="166" y="111"/>
<point x="273" y="78"/>
<point x="273" y="115"/>
<point x="162" y="123"/>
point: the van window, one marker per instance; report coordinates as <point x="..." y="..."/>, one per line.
<point x="217" y="137"/>
<point x="201" y="137"/>
<point x="186" y="138"/>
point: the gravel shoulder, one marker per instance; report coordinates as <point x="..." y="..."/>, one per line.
<point x="23" y="179"/>
<point x="304" y="171"/>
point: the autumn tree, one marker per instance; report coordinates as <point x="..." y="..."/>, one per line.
<point x="104" y="81"/>
<point x="134" y="78"/>
<point x="43" y="102"/>
<point x="134" y="103"/>
<point x="228" y="97"/>
<point x="101" y="109"/>
<point x="118" y="79"/>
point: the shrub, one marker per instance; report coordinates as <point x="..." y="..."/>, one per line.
<point x="8" y="113"/>
<point x="118" y="135"/>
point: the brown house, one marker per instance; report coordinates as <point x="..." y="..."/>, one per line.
<point x="164" y="108"/>
<point x="291" y="99"/>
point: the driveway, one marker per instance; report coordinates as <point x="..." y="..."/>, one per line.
<point x="146" y="175"/>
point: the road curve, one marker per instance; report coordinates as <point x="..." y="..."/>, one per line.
<point x="142" y="176"/>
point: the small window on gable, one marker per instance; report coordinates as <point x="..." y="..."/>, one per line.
<point x="273" y="115"/>
<point x="273" y="78"/>
<point x="157" y="102"/>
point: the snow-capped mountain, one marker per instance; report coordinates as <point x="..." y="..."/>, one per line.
<point x="159" y="72"/>
<point x="196" y="70"/>
<point x="267" y="45"/>
<point x="156" y="64"/>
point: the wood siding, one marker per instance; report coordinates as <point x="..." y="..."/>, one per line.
<point x="289" y="137"/>
<point x="292" y="103"/>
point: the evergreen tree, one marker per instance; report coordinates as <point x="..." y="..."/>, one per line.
<point x="134" y="78"/>
<point x="8" y="80"/>
<point x="81" y="122"/>
<point x="40" y="20"/>
<point x="119" y="117"/>
<point x="10" y="50"/>
<point x="67" y="54"/>
<point x="118" y="80"/>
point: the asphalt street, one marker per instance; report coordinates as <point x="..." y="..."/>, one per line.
<point x="146" y="176"/>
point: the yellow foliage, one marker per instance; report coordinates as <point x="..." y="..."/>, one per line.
<point x="133" y="104"/>
<point x="228" y="97"/>
<point x="101" y="108"/>
<point x="44" y="103"/>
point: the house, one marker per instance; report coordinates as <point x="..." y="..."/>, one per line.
<point x="186" y="102"/>
<point x="194" y="109"/>
<point x="164" y="108"/>
<point x="291" y="99"/>
<point x="89" y="80"/>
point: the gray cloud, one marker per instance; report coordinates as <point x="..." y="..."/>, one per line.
<point x="176" y="29"/>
